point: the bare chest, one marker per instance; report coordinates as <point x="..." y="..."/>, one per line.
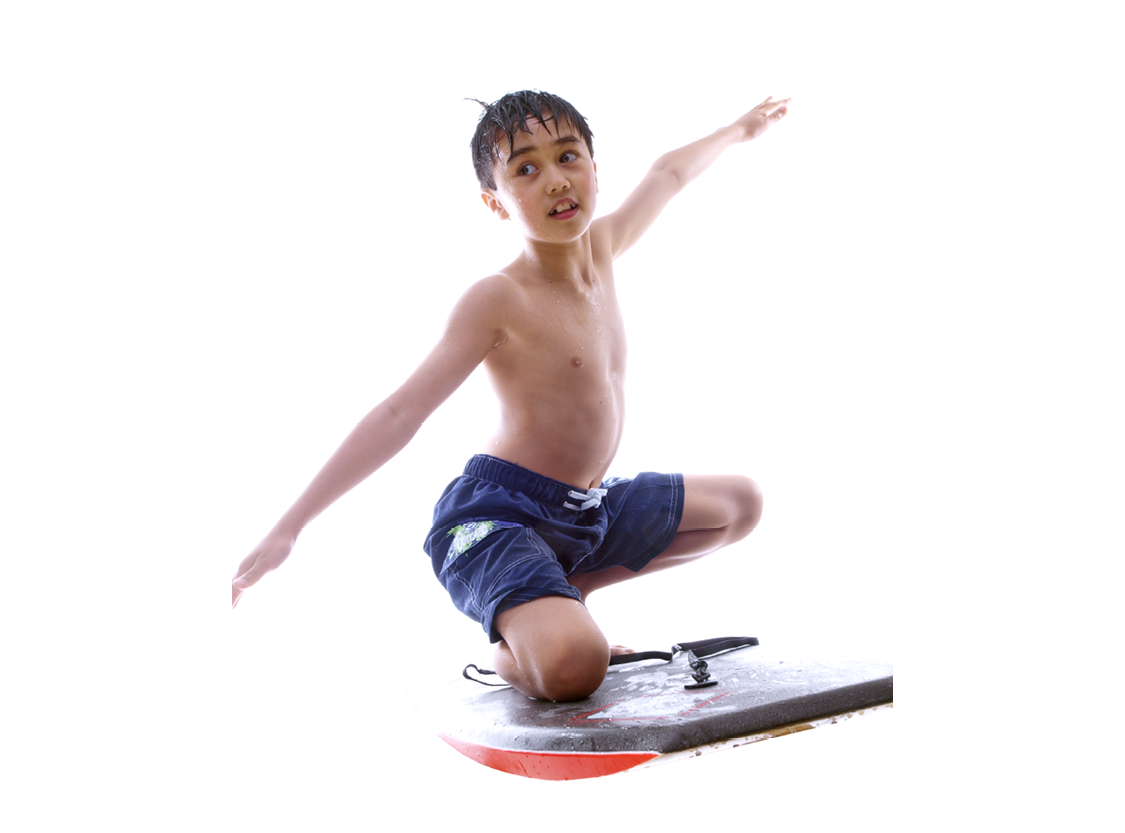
<point x="560" y="378"/>
<point x="564" y="330"/>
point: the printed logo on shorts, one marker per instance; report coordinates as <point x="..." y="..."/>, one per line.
<point x="468" y="535"/>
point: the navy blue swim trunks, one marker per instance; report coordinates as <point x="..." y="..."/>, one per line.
<point x="504" y="535"/>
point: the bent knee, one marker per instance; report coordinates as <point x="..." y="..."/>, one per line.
<point x="748" y="503"/>
<point x="573" y="669"/>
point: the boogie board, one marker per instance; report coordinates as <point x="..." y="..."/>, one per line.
<point x="656" y="710"/>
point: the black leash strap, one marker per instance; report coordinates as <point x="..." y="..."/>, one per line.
<point x="465" y="673"/>
<point x="696" y="651"/>
<point x="702" y="648"/>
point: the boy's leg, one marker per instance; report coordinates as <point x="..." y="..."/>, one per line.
<point x="552" y="649"/>
<point x="718" y="510"/>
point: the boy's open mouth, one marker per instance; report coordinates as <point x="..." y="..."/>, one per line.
<point x="563" y="205"/>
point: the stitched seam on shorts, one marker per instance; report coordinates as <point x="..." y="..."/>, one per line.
<point x="473" y="602"/>
<point x="508" y="569"/>
<point x="642" y="560"/>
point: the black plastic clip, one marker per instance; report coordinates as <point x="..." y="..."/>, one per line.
<point x="700" y="674"/>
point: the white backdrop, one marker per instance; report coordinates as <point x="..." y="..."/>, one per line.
<point x="229" y="229"/>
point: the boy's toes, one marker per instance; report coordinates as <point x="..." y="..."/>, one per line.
<point x="617" y="650"/>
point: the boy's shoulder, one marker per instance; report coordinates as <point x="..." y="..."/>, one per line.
<point x="494" y="290"/>
<point x="504" y="284"/>
<point x="492" y="301"/>
<point x="520" y="283"/>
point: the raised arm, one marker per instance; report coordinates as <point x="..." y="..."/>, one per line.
<point x="471" y="333"/>
<point x="672" y="171"/>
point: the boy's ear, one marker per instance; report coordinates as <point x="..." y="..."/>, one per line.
<point x="493" y="204"/>
<point x="596" y="176"/>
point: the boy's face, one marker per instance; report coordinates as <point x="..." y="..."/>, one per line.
<point x="547" y="183"/>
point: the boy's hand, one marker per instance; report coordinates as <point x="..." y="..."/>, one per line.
<point x="267" y="556"/>
<point x="755" y="123"/>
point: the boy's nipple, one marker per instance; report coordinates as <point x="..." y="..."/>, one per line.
<point x="576" y="362"/>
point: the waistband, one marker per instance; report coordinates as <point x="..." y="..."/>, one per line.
<point x="517" y="478"/>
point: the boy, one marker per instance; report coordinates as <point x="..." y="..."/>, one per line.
<point x="532" y="528"/>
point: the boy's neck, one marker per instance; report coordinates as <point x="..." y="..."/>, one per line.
<point x="570" y="262"/>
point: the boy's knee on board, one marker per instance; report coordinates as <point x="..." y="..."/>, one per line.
<point x="572" y="669"/>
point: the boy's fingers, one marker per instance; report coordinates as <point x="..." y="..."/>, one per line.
<point x="769" y="103"/>
<point x="245" y="580"/>
<point x="240" y="583"/>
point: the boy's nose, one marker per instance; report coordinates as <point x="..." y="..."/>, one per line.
<point x="557" y="183"/>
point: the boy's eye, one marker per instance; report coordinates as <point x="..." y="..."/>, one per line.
<point x="527" y="169"/>
<point x="569" y="156"/>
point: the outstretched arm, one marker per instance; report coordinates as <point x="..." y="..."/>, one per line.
<point x="471" y="333"/>
<point x="672" y="171"/>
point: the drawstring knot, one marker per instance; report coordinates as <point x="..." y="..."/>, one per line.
<point x="590" y="498"/>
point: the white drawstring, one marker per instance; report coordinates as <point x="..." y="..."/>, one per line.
<point x="590" y="498"/>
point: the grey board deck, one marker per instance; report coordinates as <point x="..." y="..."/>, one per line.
<point x="643" y="711"/>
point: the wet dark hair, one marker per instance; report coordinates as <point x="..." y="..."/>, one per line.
<point x="507" y="115"/>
